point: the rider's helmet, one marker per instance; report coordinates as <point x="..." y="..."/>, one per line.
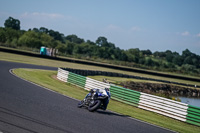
<point x="91" y="91"/>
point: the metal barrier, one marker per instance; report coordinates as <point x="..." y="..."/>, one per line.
<point x="164" y="106"/>
<point x="76" y="79"/>
<point x="62" y="75"/>
<point x="125" y="95"/>
<point x="91" y="84"/>
<point x="170" y="108"/>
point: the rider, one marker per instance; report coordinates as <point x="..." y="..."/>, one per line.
<point x="106" y="93"/>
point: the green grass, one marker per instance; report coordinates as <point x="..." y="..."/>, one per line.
<point x="120" y="79"/>
<point x="45" y="78"/>
<point x="47" y="62"/>
<point x="98" y="61"/>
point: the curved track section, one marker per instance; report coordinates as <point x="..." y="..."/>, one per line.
<point x="27" y="108"/>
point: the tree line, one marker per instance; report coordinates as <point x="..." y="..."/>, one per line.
<point x="101" y="49"/>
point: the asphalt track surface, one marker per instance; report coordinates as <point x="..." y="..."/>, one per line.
<point x="27" y="108"/>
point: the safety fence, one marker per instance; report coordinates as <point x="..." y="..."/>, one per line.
<point x="170" y="108"/>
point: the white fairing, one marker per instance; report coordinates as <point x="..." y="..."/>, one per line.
<point x="106" y="93"/>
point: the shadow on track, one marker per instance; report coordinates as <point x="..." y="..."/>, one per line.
<point x="110" y="113"/>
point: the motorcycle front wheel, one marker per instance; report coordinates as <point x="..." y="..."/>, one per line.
<point x="81" y="103"/>
<point x="94" y="106"/>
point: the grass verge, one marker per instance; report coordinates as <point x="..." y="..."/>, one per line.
<point x="117" y="80"/>
<point x="47" y="62"/>
<point x="98" y="61"/>
<point x="45" y="78"/>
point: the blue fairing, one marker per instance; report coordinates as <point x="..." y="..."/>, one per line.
<point x="100" y="94"/>
<point x="108" y="93"/>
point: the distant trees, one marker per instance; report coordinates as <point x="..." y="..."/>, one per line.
<point x="12" y="23"/>
<point x="56" y="35"/>
<point x="178" y="60"/>
<point x="146" y="52"/>
<point x="74" y="39"/>
<point x="10" y="36"/>
<point x="2" y="35"/>
<point x="72" y="45"/>
<point x="44" y="30"/>
<point x="102" y="42"/>
<point x="30" y="39"/>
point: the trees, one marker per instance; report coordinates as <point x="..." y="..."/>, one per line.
<point x="74" y="39"/>
<point x="2" y="35"/>
<point x="56" y="35"/>
<point x="102" y="42"/>
<point x="159" y="54"/>
<point x="62" y="48"/>
<point x="84" y="49"/>
<point x="70" y="48"/>
<point x="133" y="55"/>
<point x="148" y="62"/>
<point x="43" y="30"/>
<point x="36" y="30"/>
<point x="146" y="52"/>
<point x="9" y="36"/>
<point x="169" y="57"/>
<point x="90" y="42"/>
<point x="188" y="60"/>
<point x="46" y="39"/>
<point x="12" y="36"/>
<point x="186" y="53"/>
<point x="178" y="60"/>
<point x="12" y="23"/>
<point x="30" y="39"/>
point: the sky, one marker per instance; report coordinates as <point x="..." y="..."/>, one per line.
<point x="158" y="25"/>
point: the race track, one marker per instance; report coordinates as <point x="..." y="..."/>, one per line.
<point x="27" y="108"/>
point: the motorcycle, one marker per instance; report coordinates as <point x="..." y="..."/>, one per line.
<point x="96" y="99"/>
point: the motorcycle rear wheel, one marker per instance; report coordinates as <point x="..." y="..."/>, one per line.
<point x="94" y="106"/>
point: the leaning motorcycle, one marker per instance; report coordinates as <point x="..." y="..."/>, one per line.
<point x="95" y="99"/>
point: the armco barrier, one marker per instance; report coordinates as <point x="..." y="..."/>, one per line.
<point x="62" y="75"/>
<point x="170" y="108"/>
<point x="125" y="95"/>
<point x="167" y="107"/>
<point x="91" y="83"/>
<point x="76" y="79"/>
<point x="193" y="115"/>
